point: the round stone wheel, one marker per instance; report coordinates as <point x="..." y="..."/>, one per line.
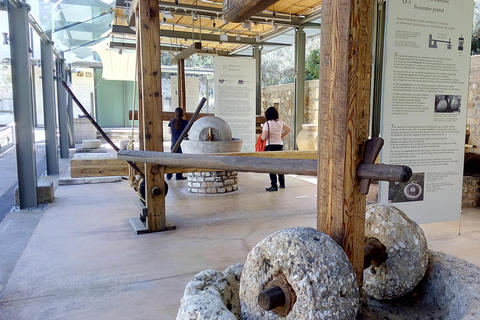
<point x="314" y="265"/>
<point x="201" y="128"/>
<point x="407" y="250"/>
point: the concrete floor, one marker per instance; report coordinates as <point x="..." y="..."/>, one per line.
<point x="79" y="258"/>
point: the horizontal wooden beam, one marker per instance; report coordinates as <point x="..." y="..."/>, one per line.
<point x="241" y="10"/>
<point x="223" y="162"/>
<point x="261" y="162"/>
<point x="186" y="53"/>
<point x="167" y="115"/>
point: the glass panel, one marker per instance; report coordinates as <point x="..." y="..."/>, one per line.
<point x="76" y="25"/>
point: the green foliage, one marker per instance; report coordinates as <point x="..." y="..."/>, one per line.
<point x="278" y="67"/>
<point x="312" y="65"/>
<point x="476" y="29"/>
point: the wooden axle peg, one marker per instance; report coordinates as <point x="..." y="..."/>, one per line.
<point x="368" y="170"/>
<point x="271" y="298"/>
<point x="156" y="191"/>
<point x="384" y="172"/>
<point x="278" y="296"/>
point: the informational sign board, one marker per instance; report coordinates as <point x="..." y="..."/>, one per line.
<point x="192" y="92"/>
<point x="235" y="97"/>
<point x="426" y="72"/>
<point x="83" y="85"/>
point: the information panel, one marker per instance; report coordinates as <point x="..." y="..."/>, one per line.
<point x="83" y="85"/>
<point x="426" y="72"/>
<point x="235" y="97"/>
<point x="192" y="93"/>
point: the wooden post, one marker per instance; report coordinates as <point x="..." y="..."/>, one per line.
<point x="139" y="85"/>
<point x="151" y="93"/>
<point x="182" y="95"/>
<point x="343" y="123"/>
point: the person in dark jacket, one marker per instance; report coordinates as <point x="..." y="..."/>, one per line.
<point x="177" y="125"/>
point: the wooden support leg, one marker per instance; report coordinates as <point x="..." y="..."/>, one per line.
<point x="343" y="123"/>
<point x="148" y="12"/>
<point x="182" y="95"/>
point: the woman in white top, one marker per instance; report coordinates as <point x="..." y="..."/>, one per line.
<point x="273" y="132"/>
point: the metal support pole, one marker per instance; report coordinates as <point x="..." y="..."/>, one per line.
<point x="257" y="55"/>
<point x="71" y="122"/>
<point x="300" y="40"/>
<point x="62" y="111"/>
<point x="22" y="105"/>
<point x="49" y="112"/>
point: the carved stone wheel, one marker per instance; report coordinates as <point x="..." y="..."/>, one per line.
<point x="313" y="265"/>
<point x="210" y="125"/>
<point x="407" y="250"/>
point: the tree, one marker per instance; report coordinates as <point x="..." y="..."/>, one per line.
<point x="476" y="28"/>
<point x="312" y="65"/>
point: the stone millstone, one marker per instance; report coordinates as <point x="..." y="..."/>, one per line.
<point x="314" y="265"/>
<point x="212" y="294"/>
<point x="217" y="126"/>
<point x="407" y="253"/>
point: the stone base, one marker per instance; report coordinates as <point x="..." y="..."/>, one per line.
<point x="212" y="182"/>
<point x="80" y="149"/>
<point x="45" y="192"/>
<point x="471" y="192"/>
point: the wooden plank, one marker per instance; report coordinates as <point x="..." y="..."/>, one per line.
<point x="150" y="67"/>
<point x="292" y="154"/>
<point x="241" y="10"/>
<point x="82" y="168"/>
<point x="287" y="154"/>
<point x="167" y="115"/>
<point x="222" y="162"/>
<point x="343" y="122"/>
<point x="139" y="88"/>
<point x="182" y="94"/>
<point x="186" y="53"/>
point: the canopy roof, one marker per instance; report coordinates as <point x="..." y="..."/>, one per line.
<point x="78" y="25"/>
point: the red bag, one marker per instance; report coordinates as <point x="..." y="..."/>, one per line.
<point x="260" y="145"/>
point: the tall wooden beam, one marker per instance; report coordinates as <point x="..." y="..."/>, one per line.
<point x="151" y="93"/>
<point x="139" y="88"/>
<point x="343" y="122"/>
<point x="182" y="94"/>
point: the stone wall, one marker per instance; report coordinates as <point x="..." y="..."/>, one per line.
<point x="473" y="110"/>
<point x="471" y="194"/>
<point x="84" y="130"/>
<point x="283" y="98"/>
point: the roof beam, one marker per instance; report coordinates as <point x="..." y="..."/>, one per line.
<point x="199" y="36"/>
<point x="282" y="19"/>
<point x="133" y="46"/>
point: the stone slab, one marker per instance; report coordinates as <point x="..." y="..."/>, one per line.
<point x="80" y="149"/>
<point x="45" y="192"/>
<point x="91" y="143"/>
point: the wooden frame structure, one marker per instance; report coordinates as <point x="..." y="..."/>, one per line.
<point x="344" y="117"/>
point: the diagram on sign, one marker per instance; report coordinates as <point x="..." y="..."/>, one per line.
<point x="432" y="43"/>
